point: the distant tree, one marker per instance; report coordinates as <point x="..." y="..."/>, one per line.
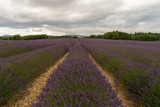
<point x="75" y="37"/>
<point x="34" y="37"/>
<point x="92" y="36"/>
<point x="8" y="38"/>
<point x="118" y="35"/>
<point x="99" y="36"/>
<point x="147" y="37"/>
<point x="16" y="37"/>
<point x="1" y="37"/>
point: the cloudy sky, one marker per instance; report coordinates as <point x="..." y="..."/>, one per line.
<point x="84" y="17"/>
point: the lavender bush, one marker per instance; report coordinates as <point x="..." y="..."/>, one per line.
<point x="17" y="71"/>
<point x="77" y="83"/>
<point x="11" y="48"/>
<point x="135" y="64"/>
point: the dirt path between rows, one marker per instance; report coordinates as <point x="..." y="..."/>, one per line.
<point x="120" y="93"/>
<point x="35" y="88"/>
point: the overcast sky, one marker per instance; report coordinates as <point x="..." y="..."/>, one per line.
<point x="84" y="17"/>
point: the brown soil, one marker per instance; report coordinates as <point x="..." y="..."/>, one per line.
<point x="35" y="88"/>
<point x="120" y="93"/>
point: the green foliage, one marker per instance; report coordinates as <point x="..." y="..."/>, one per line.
<point x="118" y="35"/>
<point x="92" y="36"/>
<point x="16" y="37"/>
<point x="34" y="37"/>
<point x="1" y="38"/>
<point x="8" y="38"/>
<point x="146" y="37"/>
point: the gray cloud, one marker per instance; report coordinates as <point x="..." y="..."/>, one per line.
<point x="80" y="16"/>
<point x="50" y="3"/>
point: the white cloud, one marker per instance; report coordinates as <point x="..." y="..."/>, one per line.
<point x="78" y="16"/>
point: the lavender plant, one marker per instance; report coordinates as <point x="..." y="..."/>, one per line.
<point x="134" y="64"/>
<point x="77" y="83"/>
<point x="11" y="48"/>
<point x="16" y="72"/>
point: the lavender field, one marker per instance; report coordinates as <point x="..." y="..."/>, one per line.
<point x="78" y="81"/>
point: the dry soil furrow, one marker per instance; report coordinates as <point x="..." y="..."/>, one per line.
<point x="35" y="88"/>
<point x="120" y="93"/>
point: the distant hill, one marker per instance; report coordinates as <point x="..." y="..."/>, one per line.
<point x="6" y="35"/>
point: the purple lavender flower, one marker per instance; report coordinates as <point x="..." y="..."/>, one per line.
<point x="77" y="82"/>
<point x="17" y="71"/>
<point x="135" y="64"/>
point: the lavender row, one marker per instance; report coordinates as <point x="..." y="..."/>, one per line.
<point x="139" y="76"/>
<point x="19" y="47"/>
<point x="16" y="72"/>
<point x="77" y="83"/>
<point x="22" y="42"/>
<point x="139" y="51"/>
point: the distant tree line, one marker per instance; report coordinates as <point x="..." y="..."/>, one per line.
<point x="65" y="36"/>
<point x="118" y="35"/>
<point x="1" y="38"/>
<point x="34" y="37"/>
